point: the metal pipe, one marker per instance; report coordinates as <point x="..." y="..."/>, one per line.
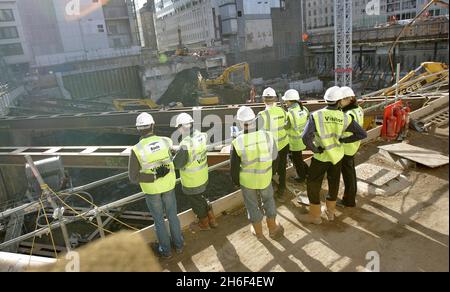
<point x="375" y="93"/>
<point x="104" y="208"/>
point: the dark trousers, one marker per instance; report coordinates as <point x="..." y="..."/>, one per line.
<point x="316" y="173"/>
<point x="350" y="181"/>
<point x="199" y="205"/>
<point x="300" y="165"/>
<point x="281" y="167"/>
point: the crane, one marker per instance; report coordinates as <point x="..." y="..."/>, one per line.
<point x="343" y="42"/>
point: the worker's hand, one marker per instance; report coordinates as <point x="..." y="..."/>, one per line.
<point x="320" y="150"/>
<point x="162" y="171"/>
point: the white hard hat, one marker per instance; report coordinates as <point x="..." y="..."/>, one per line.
<point x="245" y="114"/>
<point x="347" y="92"/>
<point x="183" y="119"/>
<point x="291" y="95"/>
<point x="333" y="94"/>
<point x="269" y="92"/>
<point x="144" y="121"/>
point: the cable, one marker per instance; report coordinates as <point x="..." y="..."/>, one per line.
<point x="79" y="214"/>
<point x="106" y="214"/>
<point x="48" y="224"/>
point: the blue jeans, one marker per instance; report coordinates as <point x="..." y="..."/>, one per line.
<point x="158" y="205"/>
<point x="258" y="203"/>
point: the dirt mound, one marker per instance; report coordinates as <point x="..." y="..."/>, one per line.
<point x="183" y="89"/>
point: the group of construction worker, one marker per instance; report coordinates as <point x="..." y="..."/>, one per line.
<point x="258" y="153"/>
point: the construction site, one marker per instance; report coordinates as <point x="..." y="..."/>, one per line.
<point x="68" y="128"/>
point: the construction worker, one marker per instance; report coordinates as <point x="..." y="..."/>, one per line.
<point x="192" y="161"/>
<point x="151" y="166"/>
<point x="298" y="116"/>
<point x="350" y="107"/>
<point x="252" y="154"/>
<point x="273" y="119"/>
<point x="324" y="135"/>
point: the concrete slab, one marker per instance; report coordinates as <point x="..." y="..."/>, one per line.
<point x="420" y="155"/>
<point x="375" y="174"/>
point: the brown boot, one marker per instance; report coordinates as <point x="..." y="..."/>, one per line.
<point x="257" y="230"/>
<point x="212" y="219"/>
<point x="275" y="230"/>
<point x="201" y="225"/>
<point x="313" y="217"/>
<point x="331" y="209"/>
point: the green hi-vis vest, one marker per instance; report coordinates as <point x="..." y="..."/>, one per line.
<point x="255" y="150"/>
<point x="330" y="126"/>
<point x="195" y="173"/>
<point x="274" y="121"/>
<point x="152" y="152"/>
<point x="350" y="149"/>
<point x="298" y="118"/>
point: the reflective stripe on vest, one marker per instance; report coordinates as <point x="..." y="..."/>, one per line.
<point x="277" y="129"/>
<point x="195" y="173"/>
<point x="330" y="126"/>
<point x="298" y="119"/>
<point x="350" y="149"/>
<point x="153" y="152"/>
<point x="255" y="150"/>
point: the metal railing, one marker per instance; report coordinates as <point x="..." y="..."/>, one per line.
<point x="93" y="212"/>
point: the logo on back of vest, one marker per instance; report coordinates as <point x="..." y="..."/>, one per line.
<point x="154" y="147"/>
<point x="334" y="120"/>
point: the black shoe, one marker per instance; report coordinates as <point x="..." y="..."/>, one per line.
<point x="298" y="179"/>
<point x="343" y="204"/>
<point x="158" y="252"/>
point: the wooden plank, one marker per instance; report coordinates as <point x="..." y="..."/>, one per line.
<point x="420" y="155"/>
<point x="430" y="108"/>
<point x="375" y="174"/>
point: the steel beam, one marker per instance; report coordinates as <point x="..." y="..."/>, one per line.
<point x="127" y="119"/>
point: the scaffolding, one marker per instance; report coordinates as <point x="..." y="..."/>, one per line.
<point x="343" y="42"/>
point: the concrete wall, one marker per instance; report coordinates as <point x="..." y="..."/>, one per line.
<point x="85" y="32"/>
<point x="258" y="34"/>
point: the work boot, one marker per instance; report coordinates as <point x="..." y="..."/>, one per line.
<point x="201" y="225"/>
<point x="343" y="204"/>
<point x="275" y="230"/>
<point x="212" y="219"/>
<point x="313" y="217"/>
<point x="257" y="230"/>
<point x="331" y="209"/>
<point x="280" y="196"/>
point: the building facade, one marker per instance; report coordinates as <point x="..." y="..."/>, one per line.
<point x="247" y="25"/>
<point x="147" y="13"/>
<point x="63" y="31"/>
<point x="13" y="45"/>
<point x="191" y="22"/>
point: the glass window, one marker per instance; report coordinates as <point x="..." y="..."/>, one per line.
<point x="6" y="15"/>
<point x="8" y="32"/>
<point x="11" y="49"/>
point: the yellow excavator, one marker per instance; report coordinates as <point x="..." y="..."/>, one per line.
<point x="224" y="79"/>
<point x="417" y="78"/>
